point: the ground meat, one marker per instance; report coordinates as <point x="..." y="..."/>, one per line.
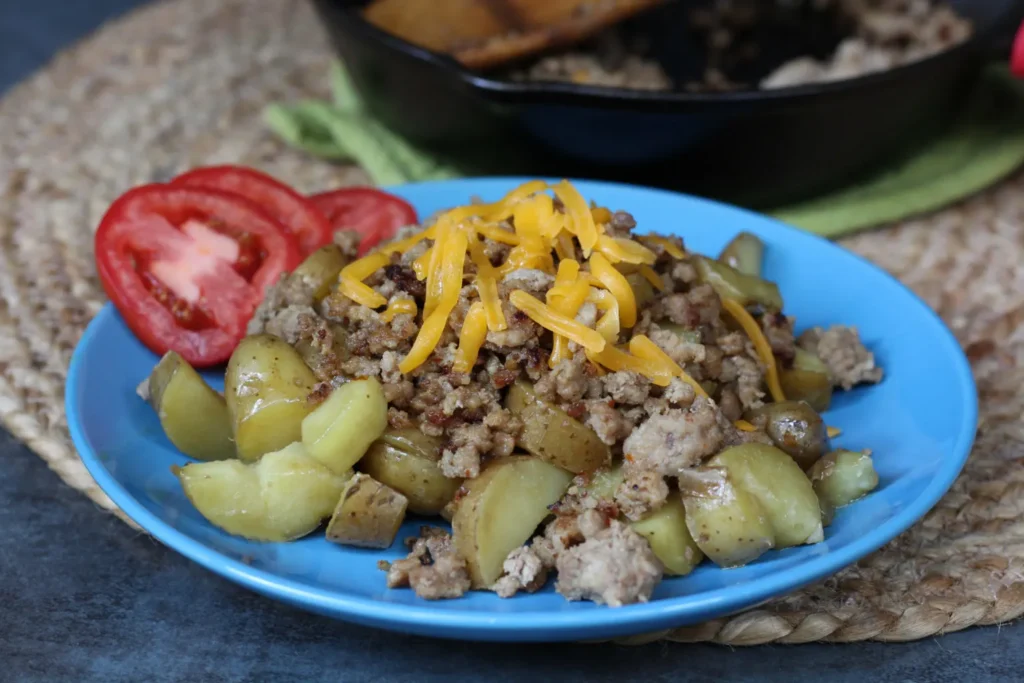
<point x="746" y="375"/>
<point x="405" y="280"/>
<point x="567" y="381"/>
<point x="524" y="570"/>
<point x="849" y="362"/>
<point x="621" y="224"/>
<point x="607" y="421"/>
<point x="676" y="440"/>
<point x="679" y="393"/>
<point x="587" y="315"/>
<point x="733" y="343"/>
<point x="678" y="349"/>
<point x="615" y="566"/>
<point x="321" y="347"/>
<point x="521" y="330"/>
<point x="348" y="241"/>
<point x="461" y="458"/>
<point x="433" y="569"/>
<point x="641" y="493"/>
<point x="699" y="306"/>
<point x="284" y="304"/>
<point x="630" y="388"/>
<point x="532" y="280"/>
<point x="778" y="329"/>
<point x="684" y="272"/>
<point x="729" y="404"/>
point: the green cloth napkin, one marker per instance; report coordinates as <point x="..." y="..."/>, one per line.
<point x="984" y="145"/>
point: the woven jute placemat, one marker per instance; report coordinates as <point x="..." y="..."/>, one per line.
<point x="181" y="84"/>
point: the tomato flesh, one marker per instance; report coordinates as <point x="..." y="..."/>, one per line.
<point x="186" y="267"/>
<point x="296" y="213"/>
<point x="374" y="214"/>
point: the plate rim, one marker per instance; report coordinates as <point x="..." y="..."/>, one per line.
<point x="541" y="625"/>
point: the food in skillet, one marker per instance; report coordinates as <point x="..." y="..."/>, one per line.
<point x="576" y="398"/>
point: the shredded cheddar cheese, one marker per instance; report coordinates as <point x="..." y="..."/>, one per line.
<point x="761" y="345"/>
<point x="670" y="248"/>
<point x="744" y="426"/>
<point x="833" y="432"/>
<point x="616" y="283"/>
<point x="572" y="243"/>
<point x="548" y="318"/>
<point x="642" y="346"/>
<point x="398" y="307"/>
<point x="471" y="338"/>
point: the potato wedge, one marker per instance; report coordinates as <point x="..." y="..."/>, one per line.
<point x="842" y="477"/>
<point x="266" y="389"/>
<point x="368" y="515"/>
<point x="603" y="483"/>
<point x="745" y="253"/>
<point x="194" y="416"/>
<point x="807" y="380"/>
<point x="795" y="428"/>
<point x="726" y="522"/>
<point x="340" y="430"/>
<point x="408" y="469"/>
<point x="780" y="486"/>
<point x="320" y="270"/>
<point x="282" y="497"/>
<point x="549" y="433"/>
<point x="501" y="509"/>
<point x="732" y="284"/>
<point x="665" y="529"/>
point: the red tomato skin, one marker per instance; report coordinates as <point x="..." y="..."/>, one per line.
<point x="152" y="323"/>
<point x="295" y="212"/>
<point x="377" y="215"/>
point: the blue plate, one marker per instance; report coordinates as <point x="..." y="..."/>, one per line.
<point x="919" y="422"/>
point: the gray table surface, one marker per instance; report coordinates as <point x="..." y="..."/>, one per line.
<point x="85" y="598"/>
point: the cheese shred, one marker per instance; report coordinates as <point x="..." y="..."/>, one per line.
<point x="761" y="345"/>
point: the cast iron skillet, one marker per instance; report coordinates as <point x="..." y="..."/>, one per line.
<point x="758" y="148"/>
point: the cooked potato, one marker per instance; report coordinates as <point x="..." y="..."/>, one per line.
<point x="282" y="497"/>
<point x="732" y="284"/>
<point x="796" y="428"/>
<point x="665" y="529"/>
<point x="500" y="511"/>
<point x="780" y="486"/>
<point x="266" y="387"/>
<point x="340" y="430"/>
<point x="807" y="380"/>
<point x="745" y="252"/>
<point x="726" y="522"/>
<point x="549" y="433"/>
<point x="842" y="477"/>
<point x="407" y="461"/>
<point x="194" y="416"/>
<point x="322" y="364"/>
<point x="605" y="482"/>
<point x="320" y="270"/>
<point x="368" y="514"/>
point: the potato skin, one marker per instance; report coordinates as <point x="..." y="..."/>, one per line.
<point x="732" y="284"/>
<point x="266" y="388"/>
<point x="283" y="496"/>
<point x="501" y="509"/>
<point x="549" y="433"/>
<point x="368" y="515"/>
<point x="665" y="529"/>
<point x="340" y="430"/>
<point x="726" y="522"/>
<point x="842" y="477"/>
<point x="780" y="486"/>
<point x="807" y="380"/>
<point x="795" y="428"/>
<point x="194" y="416"/>
<point x="319" y="271"/>
<point x="416" y="477"/>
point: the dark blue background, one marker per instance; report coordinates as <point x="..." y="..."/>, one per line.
<point x="85" y="598"/>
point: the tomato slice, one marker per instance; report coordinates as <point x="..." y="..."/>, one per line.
<point x="374" y="214"/>
<point x="186" y="267"/>
<point x="296" y="213"/>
